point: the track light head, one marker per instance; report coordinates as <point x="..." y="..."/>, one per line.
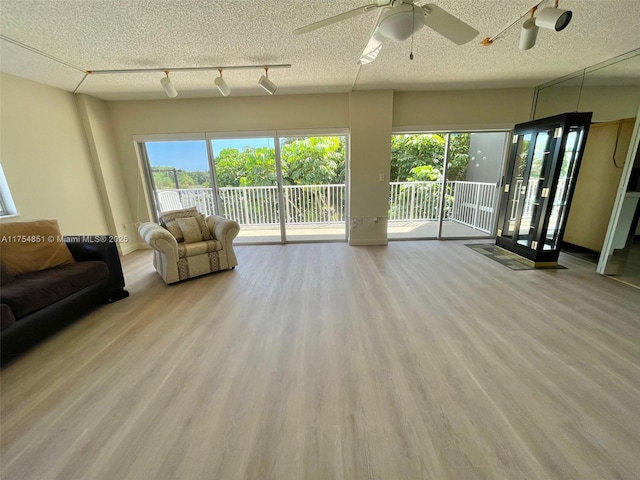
<point x="222" y="85"/>
<point x="267" y="84"/>
<point x="553" y="18"/>
<point x="169" y="89"/>
<point x="528" y="34"/>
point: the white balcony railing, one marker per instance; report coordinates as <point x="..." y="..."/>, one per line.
<point x="469" y="203"/>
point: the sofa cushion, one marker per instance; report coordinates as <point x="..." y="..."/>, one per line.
<point x="187" y="213"/>
<point x="32" y="246"/>
<point x="5" y="275"/>
<point x="6" y="316"/>
<point x="35" y="290"/>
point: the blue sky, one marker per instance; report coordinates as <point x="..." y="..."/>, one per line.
<point x="192" y="155"/>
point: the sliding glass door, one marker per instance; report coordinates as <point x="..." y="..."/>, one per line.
<point x="180" y="175"/>
<point x="417" y="163"/>
<point x="314" y="188"/>
<point x="278" y="188"/>
<point x="444" y="185"/>
<point x="247" y="176"/>
<point x="474" y="168"/>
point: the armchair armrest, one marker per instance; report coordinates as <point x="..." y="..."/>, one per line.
<point x="159" y="239"/>
<point x="100" y="248"/>
<point x="165" y="246"/>
<point x="224" y="230"/>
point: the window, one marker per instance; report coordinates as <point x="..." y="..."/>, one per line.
<point x="280" y="186"/>
<point x="7" y="207"/>
<point x="445" y="184"/>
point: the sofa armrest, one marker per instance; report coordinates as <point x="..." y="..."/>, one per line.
<point x="100" y="248"/>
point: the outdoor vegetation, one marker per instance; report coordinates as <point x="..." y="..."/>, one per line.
<point x="417" y="163"/>
<point x="321" y="160"/>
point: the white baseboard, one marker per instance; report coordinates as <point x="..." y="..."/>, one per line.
<point x="127" y="248"/>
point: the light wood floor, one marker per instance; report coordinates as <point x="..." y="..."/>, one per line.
<point x="419" y="360"/>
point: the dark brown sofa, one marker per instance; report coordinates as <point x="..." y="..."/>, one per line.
<point x="34" y="305"/>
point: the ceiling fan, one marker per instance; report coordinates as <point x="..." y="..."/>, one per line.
<point x="400" y="19"/>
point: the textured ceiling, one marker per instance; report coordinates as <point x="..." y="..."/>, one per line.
<point x="107" y="34"/>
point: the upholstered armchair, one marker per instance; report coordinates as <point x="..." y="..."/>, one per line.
<point x="187" y="245"/>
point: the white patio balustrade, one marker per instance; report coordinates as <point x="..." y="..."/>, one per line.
<point x="469" y="203"/>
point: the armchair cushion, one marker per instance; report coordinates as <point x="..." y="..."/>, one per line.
<point x="175" y="230"/>
<point x="187" y="213"/>
<point x="198" y="248"/>
<point x="190" y="229"/>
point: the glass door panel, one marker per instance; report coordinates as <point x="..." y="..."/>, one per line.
<point x="247" y="179"/>
<point x="474" y="168"/>
<point x="417" y="163"/>
<point x="180" y="175"/>
<point x="514" y="185"/>
<point x="548" y="182"/>
<point x="313" y="187"/>
<point x="564" y="186"/>
<point x="532" y="189"/>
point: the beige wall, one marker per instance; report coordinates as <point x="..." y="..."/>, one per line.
<point x="606" y="103"/>
<point x="78" y="162"/>
<point x="597" y="183"/>
<point x="45" y="157"/>
<point x="463" y="108"/>
<point x="97" y="126"/>
<point x="370" y="116"/>
<point x="370" y="123"/>
<point x="232" y="114"/>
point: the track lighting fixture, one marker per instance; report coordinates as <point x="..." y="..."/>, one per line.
<point x="550" y="18"/>
<point x="528" y="34"/>
<point x="219" y="82"/>
<point x="169" y="89"/>
<point x="222" y="85"/>
<point x="553" y="18"/>
<point x="267" y="84"/>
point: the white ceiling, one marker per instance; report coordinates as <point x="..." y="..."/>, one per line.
<point x="125" y="34"/>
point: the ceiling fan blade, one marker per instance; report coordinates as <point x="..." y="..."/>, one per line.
<point x="447" y="25"/>
<point x="372" y="49"/>
<point x="338" y="18"/>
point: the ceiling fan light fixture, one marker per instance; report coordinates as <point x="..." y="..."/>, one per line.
<point x="553" y="18"/>
<point x="267" y="84"/>
<point x="169" y="89"/>
<point x="399" y="23"/>
<point x="528" y="34"/>
<point x="222" y="85"/>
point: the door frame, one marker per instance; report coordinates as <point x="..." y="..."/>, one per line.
<point x="275" y="135"/>
<point x="506" y="128"/>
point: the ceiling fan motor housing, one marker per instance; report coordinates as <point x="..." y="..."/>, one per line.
<point x="400" y="22"/>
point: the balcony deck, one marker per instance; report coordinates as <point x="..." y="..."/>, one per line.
<point x="396" y="230"/>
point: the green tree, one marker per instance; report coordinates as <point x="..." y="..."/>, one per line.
<point x="415" y="150"/>
<point x="420" y="150"/>
<point x="259" y="166"/>
<point x="313" y="161"/>
<point x="424" y="173"/>
<point x="229" y="168"/>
